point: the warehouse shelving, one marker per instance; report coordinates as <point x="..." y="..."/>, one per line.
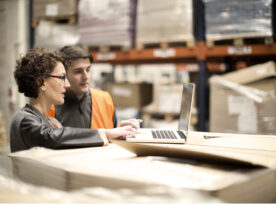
<point x="200" y="54"/>
<point x="201" y="51"/>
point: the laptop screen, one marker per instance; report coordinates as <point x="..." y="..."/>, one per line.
<point x="186" y="104"/>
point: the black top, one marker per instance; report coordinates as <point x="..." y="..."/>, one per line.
<point x="75" y="112"/>
<point x="29" y="128"/>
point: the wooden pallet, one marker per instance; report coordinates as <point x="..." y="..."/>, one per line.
<point x="56" y="19"/>
<point x="161" y="116"/>
<point x="241" y="41"/>
<point x="108" y="48"/>
<point x="167" y="117"/>
<point x="165" y="45"/>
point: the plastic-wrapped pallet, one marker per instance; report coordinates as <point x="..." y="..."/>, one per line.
<point x="238" y="19"/>
<point x="107" y="22"/>
<point x="60" y="35"/>
<point x="164" y="21"/>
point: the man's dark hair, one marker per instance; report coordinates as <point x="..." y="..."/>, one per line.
<point x="71" y="53"/>
<point x="33" y="68"/>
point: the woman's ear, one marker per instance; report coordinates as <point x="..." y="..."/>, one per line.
<point x="41" y="84"/>
<point x="43" y="87"/>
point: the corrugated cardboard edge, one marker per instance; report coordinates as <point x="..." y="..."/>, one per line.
<point x="201" y="153"/>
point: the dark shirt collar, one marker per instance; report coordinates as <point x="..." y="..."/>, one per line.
<point x="33" y="109"/>
<point x="71" y="98"/>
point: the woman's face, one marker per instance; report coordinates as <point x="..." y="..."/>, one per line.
<point x="56" y="84"/>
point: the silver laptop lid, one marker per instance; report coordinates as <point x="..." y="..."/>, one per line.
<point x="186" y="105"/>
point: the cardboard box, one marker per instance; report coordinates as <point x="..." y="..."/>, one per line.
<point x="166" y="99"/>
<point x="244" y="101"/>
<point x="115" y="168"/>
<point x="130" y="95"/>
<point x="52" y="8"/>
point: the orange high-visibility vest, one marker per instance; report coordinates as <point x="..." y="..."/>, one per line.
<point x="102" y="110"/>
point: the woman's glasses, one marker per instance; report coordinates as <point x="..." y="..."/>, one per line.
<point x="59" y="77"/>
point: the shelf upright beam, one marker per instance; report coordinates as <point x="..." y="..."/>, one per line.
<point x="201" y="59"/>
<point x="31" y="29"/>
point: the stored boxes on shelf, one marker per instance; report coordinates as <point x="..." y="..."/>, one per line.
<point x="130" y="94"/>
<point x="164" y="21"/>
<point x="244" y="101"/>
<point x="54" y="8"/>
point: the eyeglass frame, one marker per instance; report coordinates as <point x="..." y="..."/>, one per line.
<point x="57" y="77"/>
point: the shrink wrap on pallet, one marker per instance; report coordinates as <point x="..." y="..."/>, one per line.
<point x="107" y="22"/>
<point x="238" y="19"/>
<point x="164" y="21"/>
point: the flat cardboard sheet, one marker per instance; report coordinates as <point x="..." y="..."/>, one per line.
<point x="114" y="167"/>
<point x="239" y="149"/>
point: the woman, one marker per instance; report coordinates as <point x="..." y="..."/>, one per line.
<point x="41" y="75"/>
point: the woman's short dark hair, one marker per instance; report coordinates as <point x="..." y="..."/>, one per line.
<point x="71" y="53"/>
<point x="33" y="68"/>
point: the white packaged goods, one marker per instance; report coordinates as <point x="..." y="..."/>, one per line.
<point x="107" y="22"/>
<point x="238" y="18"/>
<point x="164" y="21"/>
<point x="60" y="35"/>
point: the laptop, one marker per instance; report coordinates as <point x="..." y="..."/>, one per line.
<point x="170" y="136"/>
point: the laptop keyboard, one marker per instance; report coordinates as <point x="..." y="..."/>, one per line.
<point x="166" y="134"/>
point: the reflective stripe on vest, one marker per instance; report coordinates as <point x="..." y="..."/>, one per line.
<point x="102" y="110"/>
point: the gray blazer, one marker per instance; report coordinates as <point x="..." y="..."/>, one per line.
<point x="29" y="128"/>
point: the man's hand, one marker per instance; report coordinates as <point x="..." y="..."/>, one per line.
<point x="134" y="123"/>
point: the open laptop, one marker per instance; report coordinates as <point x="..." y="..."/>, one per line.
<point x="170" y="136"/>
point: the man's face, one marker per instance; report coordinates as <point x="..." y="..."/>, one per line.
<point x="78" y="75"/>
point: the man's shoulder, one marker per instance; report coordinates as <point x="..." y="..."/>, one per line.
<point x="99" y="92"/>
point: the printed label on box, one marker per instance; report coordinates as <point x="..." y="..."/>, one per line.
<point x="51" y="10"/>
<point x="246" y="111"/>
<point x="120" y="91"/>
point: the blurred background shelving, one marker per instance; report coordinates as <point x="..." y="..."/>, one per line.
<point x="135" y="42"/>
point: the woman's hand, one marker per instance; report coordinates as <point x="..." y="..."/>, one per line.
<point x="135" y="123"/>
<point x="120" y="132"/>
<point x="127" y="128"/>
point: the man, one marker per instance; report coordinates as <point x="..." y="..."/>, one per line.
<point x="85" y="107"/>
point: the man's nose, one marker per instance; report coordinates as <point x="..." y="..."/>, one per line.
<point x="85" y="75"/>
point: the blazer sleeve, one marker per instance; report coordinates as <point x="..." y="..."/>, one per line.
<point x="35" y="133"/>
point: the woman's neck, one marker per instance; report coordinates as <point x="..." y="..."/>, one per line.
<point x="42" y="106"/>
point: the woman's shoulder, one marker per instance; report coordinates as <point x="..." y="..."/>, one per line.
<point x="25" y="113"/>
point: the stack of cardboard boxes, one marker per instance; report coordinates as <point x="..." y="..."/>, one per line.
<point x="244" y="101"/>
